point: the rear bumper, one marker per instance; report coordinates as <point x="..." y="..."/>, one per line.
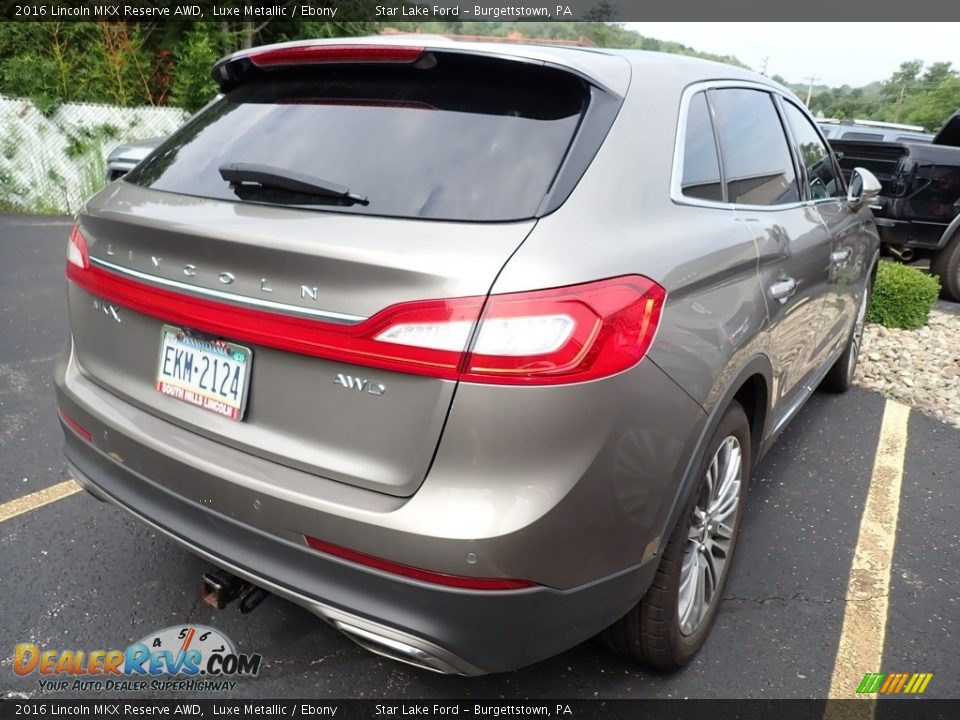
<point x="443" y="629"/>
<point x="454" y="631"/>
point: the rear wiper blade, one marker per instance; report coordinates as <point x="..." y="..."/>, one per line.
<point x="266" y="176"/>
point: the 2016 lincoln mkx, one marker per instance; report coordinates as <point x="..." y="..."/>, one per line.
<point x="470" y="349"/>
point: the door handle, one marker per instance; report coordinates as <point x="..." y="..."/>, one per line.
<point x="782" y="289"/>
<point x="840" y="256"/>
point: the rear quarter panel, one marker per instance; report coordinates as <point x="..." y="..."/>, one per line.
<point x="621" y="220"/>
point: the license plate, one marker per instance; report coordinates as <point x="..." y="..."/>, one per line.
<point x="211" y="374"/>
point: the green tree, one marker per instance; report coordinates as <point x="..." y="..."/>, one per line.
<point x="904" y="79"/>
<point x="193" y="86"/>
<point x="117" y="64"/>
<point x="54" y="62"/>
<point x="39" y="61"/>
<point x="936" y="105"/>
<point x="936" y="73"/>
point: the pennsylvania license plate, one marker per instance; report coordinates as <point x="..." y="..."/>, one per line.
<point x="211" y="374"/>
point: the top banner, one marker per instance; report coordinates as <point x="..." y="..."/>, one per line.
<point x="859" y="13"/>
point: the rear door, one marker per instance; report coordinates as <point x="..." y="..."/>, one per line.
<point x="793" y="242"/>
<point x="448" y="159"/>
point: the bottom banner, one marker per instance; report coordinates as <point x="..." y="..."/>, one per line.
<point x="867" y="709"/>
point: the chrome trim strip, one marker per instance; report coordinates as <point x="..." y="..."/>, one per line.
<point x="806" y="393"/>
<point x="341" y="318"/>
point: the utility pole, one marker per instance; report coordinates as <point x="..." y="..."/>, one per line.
<point x="896" y="112"/>
<point x="763" y="65"/>
<point x="812" y="80"/>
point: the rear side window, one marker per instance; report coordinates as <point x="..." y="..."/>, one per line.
<point x="463" y="138"/>
<point x="701" y="167"/>
<point x="756" y="158"/>
<point x="821" y="175"/>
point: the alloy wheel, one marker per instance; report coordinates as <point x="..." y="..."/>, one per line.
<point x="710" y="536"/>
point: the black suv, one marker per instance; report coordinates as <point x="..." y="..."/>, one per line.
<point x="918" y="212"/>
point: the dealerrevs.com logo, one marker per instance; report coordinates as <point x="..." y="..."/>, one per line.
<point x="197" y="657"/>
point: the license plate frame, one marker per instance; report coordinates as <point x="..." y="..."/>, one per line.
<point x="238" y="359"/>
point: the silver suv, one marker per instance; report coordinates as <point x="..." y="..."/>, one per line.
<point x="469" y="349"/>
<point x="124" y="158"/>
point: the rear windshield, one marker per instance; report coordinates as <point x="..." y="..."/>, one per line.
<point x="463" y="138"/>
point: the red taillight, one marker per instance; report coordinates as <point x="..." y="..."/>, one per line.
<point x="75" y="426"/>
<point x="570" y="334"/>
<point x="314" y="54"/>
<point x="77" y="249"/>
<point x="456" y="581"/>
<point x="545" y="337"/>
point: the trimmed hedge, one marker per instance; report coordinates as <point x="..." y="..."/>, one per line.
<point x="902" y="296"/>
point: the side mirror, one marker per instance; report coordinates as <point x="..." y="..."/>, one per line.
<point x="864" y="188"/>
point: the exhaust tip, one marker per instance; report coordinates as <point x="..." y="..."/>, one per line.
<point x="903" y="254"/>
<point x="394" y="649"/>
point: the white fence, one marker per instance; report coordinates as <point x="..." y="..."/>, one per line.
<point x="52" y="164"/>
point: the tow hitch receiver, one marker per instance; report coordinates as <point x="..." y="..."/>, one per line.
<point x="220" y="588"/>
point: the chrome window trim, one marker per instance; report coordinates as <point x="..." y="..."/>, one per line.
<point x="676" y="178"/>
<point x="342" y="318"/>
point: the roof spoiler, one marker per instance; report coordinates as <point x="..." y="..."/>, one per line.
<point x="608" y="72"/>
<point x="229" y="71"/>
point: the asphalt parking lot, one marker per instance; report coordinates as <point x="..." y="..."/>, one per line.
<point x="75" y="573"/>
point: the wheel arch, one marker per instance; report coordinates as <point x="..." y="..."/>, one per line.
<point x="754" y="397"/>
<point x="953" y="229"/>
<point x="751" y="388"/>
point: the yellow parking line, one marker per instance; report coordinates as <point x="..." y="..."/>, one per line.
<point x="38" y="499"/>
<point x="865" y="617"/>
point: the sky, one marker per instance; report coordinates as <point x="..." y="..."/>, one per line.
<point x="855" y="54"/>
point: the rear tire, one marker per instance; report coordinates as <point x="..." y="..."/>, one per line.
<point x="670" y="623"/>
<point x="839" y="378"/>
<point x="946" y="264"/>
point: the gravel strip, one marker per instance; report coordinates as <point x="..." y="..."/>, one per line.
<point x="917" y="367"/>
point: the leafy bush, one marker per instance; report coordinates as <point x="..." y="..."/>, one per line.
<point x="902" y="296"/>
<point x="193" y="87"/>
<point x="56" y="62"/>
<point x="11" y="193"/>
